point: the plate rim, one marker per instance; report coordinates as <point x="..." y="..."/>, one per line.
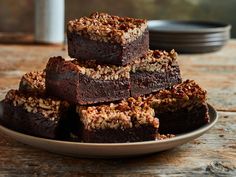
<point x="200" y="131"/>
<point x="219" y="26"/>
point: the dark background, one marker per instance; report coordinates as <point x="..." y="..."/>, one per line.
<point x="18" y="16"/>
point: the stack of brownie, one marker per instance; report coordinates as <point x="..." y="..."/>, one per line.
<point x="113" y="89"/>
<point x="112" y="62"/>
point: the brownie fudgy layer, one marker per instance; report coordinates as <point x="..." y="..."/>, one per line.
<point x="135" y="134"/>
<point x="183" y="120"/>
<point x="108" y="39"/>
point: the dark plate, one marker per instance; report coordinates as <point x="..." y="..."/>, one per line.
<point x="197" y="38"/>
<point x="166" y="26"/>
<point x="190" y="42"/>
<point x="186" y="40"/>
<point x="188" y="36"/>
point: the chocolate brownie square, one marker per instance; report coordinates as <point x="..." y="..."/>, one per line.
<point x="86" y="82"/>
<point x="108" y="39"/>
<point x="155" y="71"/>
<point x="181" y="109"/>
<point x="127" y="121"/>
<point x="34" y="115"/>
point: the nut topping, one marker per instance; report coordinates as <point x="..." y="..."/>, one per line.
<point x="108" y="28"/>
<point x="33" y="81"/>
<point x="188" y="93"/>
<point x="125" y="114"/>
<point x="48" y="107"/>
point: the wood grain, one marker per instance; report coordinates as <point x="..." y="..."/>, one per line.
<point x="213" y="154"/>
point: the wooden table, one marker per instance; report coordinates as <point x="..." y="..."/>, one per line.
<point x="213" y="154"/>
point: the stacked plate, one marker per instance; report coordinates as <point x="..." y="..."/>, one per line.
<point x="188" y="36"/>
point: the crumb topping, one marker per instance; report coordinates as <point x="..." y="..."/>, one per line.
<point x="125" y="114"/>
<point x="186" y="94"/>
<point x="155" y="60"/>
<point x="48" y="107"/>
<point x="163" y="136"/>
<point x="108" y="28"/>
<point x="105" y="72"/>
<point x="33" y="81"/>
<point x="88" y="68"/>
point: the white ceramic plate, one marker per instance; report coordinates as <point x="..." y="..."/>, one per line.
<point x="112" y="150"/>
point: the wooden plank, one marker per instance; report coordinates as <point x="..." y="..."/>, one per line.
<point x="212" y="154"/>
<point x="16" y="38"/>
<point x="27" y="57"/>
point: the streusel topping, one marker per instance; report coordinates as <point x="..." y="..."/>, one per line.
<point x="155" y="60"/>
<point x="33" y="81"/>
<point x="48" y="107"/>
<point x="125" y="114"/>
<point x="108" y="28"/>
<point x="186" y="94"/>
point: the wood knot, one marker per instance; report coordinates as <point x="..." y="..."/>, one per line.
<point x="221" y="168"/>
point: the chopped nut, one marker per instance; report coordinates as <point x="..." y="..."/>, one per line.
<point x="162" y="136"/>
<point x="124" y="114"/>
<point x="96" y="71"/>
<point x="180" y="95"/>
<point x="33" y="81"/>
<point x="47" y="107"/>
<point x="155" y="60"/>
<point x="104" y="27"/>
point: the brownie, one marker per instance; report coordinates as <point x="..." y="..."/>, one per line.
<point x="37" y="116"/>
<point x="180" y="109"/>
<point x="108" y="39"/>
<point x="127" y="121"/>
<point x="155" y="71"/>
<point x="86" y="82"/>
<point x="33" y="82"/>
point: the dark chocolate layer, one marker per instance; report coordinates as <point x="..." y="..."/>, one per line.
<point x="148" y="82"/>
<point x="142" y="133"/>
<point x="84" y="48"/>
<point x="183" y="120"/>
<point x="80" y="89"/>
